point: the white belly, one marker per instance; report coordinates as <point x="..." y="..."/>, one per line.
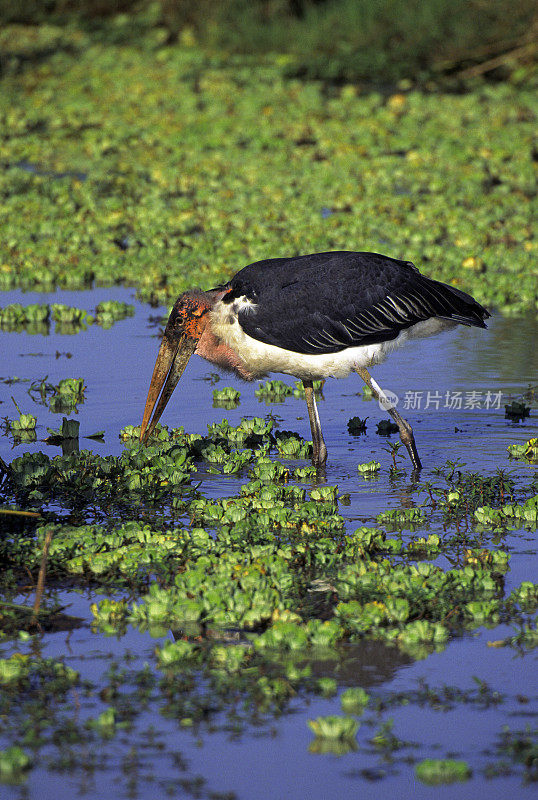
<point x="260" y="358"/>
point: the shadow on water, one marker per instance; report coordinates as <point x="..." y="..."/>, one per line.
<point x="453" y="390"/>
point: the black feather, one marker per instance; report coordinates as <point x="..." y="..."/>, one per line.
<point x="326" y="302"/>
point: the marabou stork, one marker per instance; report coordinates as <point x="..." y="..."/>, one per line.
<point x="314" y="316"/>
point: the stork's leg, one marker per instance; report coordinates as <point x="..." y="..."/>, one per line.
<point x="406" y="431"/>
<point x="319" y="456"/>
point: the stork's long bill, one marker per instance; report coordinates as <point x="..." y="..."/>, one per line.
<point x="180" y="339"/>
<point x="171" y="361"/>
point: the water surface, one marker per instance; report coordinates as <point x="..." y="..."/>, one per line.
<point x="270" y="758"/>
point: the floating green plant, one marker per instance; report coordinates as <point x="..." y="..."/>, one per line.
<point x="526" y="452"/>
<point x="290" y="445"/>
<point x="67" y="395"/>
<point x="228" y="397"/>
<point x="516" y="411"/>
<point x="33" y="318"/>
<point x="261" y="586"/>
<point x="25" y="423"/>
<point x="14" y="761"/>
<point x="525" y="513"/>
<point x="356" y="425"/>
<point x="317" y="385"/>
<point x="334" y="727"/>
<point x="67" y="315"/>
<point x="69" y="429"/>
<point x="369" y="468"/>
<point x="386" y="427"/>
<point x="274" y="391"/>
<point x="402" y="516"/>
<point x="354" y="700"/>
<point x="110" y="311"/>
<point x="434" y="771"/>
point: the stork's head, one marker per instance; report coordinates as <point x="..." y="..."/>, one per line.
<point x="184" y="328"/>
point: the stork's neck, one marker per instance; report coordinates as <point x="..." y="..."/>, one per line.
<point x="195" y="307"/>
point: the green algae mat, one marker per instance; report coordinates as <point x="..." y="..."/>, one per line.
<point x="167" y="169"/>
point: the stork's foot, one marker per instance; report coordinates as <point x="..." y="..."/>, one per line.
<point x="406" y="431"/>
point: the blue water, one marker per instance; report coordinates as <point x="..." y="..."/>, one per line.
<point x="271" y="760"/>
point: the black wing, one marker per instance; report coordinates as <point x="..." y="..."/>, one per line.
<point x="326" y="302"/>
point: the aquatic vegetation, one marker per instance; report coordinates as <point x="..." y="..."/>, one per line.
<point x="135" y="209"/>
<point x="524" y="513"/>
<point x="516" y="411"/>
<point x="67" y="395"/>
<point x="36" y="318"/>
<point x="62" y="398"/>
<point x="66" y="315"/>
<point x="69" y="429"/>
<point x="273" y="391"/>
<point x="259" y="587"/>
<point x="105" y="723"/>
<point x="227" y="397"/>
<point x="526" y="452"/>
<point x="465" y="492"/>
<point x="386" y="427"/>
<point x="18" y="670"/>
<point x="14" y="669"/>
<point x="402" y="516"/>
<point x="334" y="727"/>
<point x="246" y="560"/>
<point x="26" y="422"/>
<point x="526" y="596"/>
<point x="13" y="761"/>
<point x="356" y="425"/>
<point x="290" y="445"/>
<point x="409" y="604"/>
<point x="109" y="311"/>
<point x="434" y="771"/>
<point x="368" y="469"/>
<point x="22" y="429"/>
<point x="354" y="700"/>
<point x="317" y="386"/>
<point x="521" y="748"/>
